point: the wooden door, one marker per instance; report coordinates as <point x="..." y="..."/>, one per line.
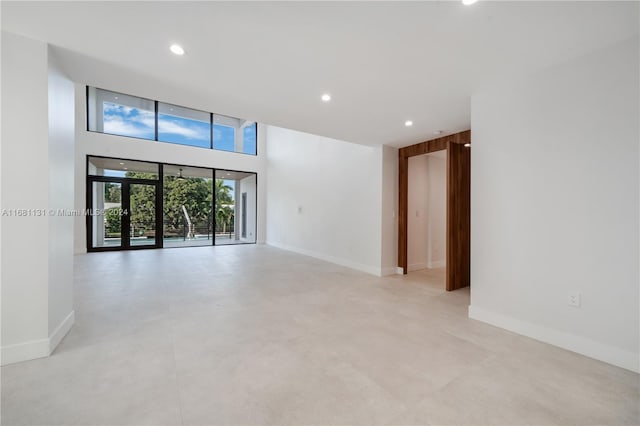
<point x="458" y="216"/>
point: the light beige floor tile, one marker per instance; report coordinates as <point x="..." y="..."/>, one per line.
<point x="504" y="391"/>
<point x="254" y="335"/>
<point x="126" y="381"/>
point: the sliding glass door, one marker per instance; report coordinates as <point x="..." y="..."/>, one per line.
<point x="136" y="204"/>
<point x="123" y="202"/>
<point x="143" y="198"/>
<point x="106" y="215"/>
<point x="187" y="206"/>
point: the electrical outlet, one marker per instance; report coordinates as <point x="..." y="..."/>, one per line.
<point x="574" y="299"/>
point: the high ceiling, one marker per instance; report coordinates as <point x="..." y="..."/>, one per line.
<point x="382" y="62"/>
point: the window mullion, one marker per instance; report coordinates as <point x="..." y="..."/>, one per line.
<point x="156" y="119"/>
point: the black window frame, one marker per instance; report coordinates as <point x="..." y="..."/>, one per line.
<point x="159" y="184"/>
<point x="155" y="139"/>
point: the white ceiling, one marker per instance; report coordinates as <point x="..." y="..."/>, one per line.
<point x="382" y="62"/>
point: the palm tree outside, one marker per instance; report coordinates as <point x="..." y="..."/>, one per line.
<point x="225" y="204"/>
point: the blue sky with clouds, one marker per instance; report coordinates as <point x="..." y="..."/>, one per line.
<point x="127" y="121"/>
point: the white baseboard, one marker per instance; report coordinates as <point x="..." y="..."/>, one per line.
<point x="416" y="266"/>
<point x="606" y="353"/>
<point x="338" y="261"/>
<point x="432" y="264"/>
<point x="34" y="349"/>
<point x="61" y="330"/>
<point x="388" y="270"/>
<point x="24" y="351"/>
<point x="400" y="270"/>
<point x="425" y="265"/>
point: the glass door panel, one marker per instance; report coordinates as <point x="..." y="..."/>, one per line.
<point x="107" y="213"/>
<point x="187" y="205"/>
<point x="142" y="214"/>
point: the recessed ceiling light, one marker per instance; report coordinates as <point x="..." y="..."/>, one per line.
<point x="115" y="97"/>
<point x="408" y="123"/>
<point x="467" y="145"/>
<point x="468" y="2"/>
<point x="326" y="97"/>
<point x="125" y="168"/>
<point x="438" y="132"/>
<point x="176" y="49"/>
<point x="122" y="164"/>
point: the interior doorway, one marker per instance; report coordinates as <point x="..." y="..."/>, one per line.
<point x="458" y="205"/>
<point x="427" y="211"/>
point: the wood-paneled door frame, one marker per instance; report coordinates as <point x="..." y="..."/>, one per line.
<point x="458" y="203"/>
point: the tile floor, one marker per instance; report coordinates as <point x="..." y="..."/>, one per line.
<point x="253" y="335"/>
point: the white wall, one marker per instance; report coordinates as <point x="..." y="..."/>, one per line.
<point x="427" y="207"/>
<point x="324" y="198"/>
<point x="389" y="206"/>
<point x="554" y="199"/>
<point x="417" y="204"/>
<point x="61" y="198"/>
<point x="91" y="143"/>
<point x="2" y="57"/>
<point x="25" y="159"/>
<point x="437" y="209"/>
<point x="37" y="268"/>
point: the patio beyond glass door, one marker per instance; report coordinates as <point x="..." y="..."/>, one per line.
<point x="235" y="207"/>
<point x="142" y="214"/>
<point x="123" y="215"/>
<point x="135" y="204"/>
<point x="106" y="215"/>
<point x="187" y="205"/>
